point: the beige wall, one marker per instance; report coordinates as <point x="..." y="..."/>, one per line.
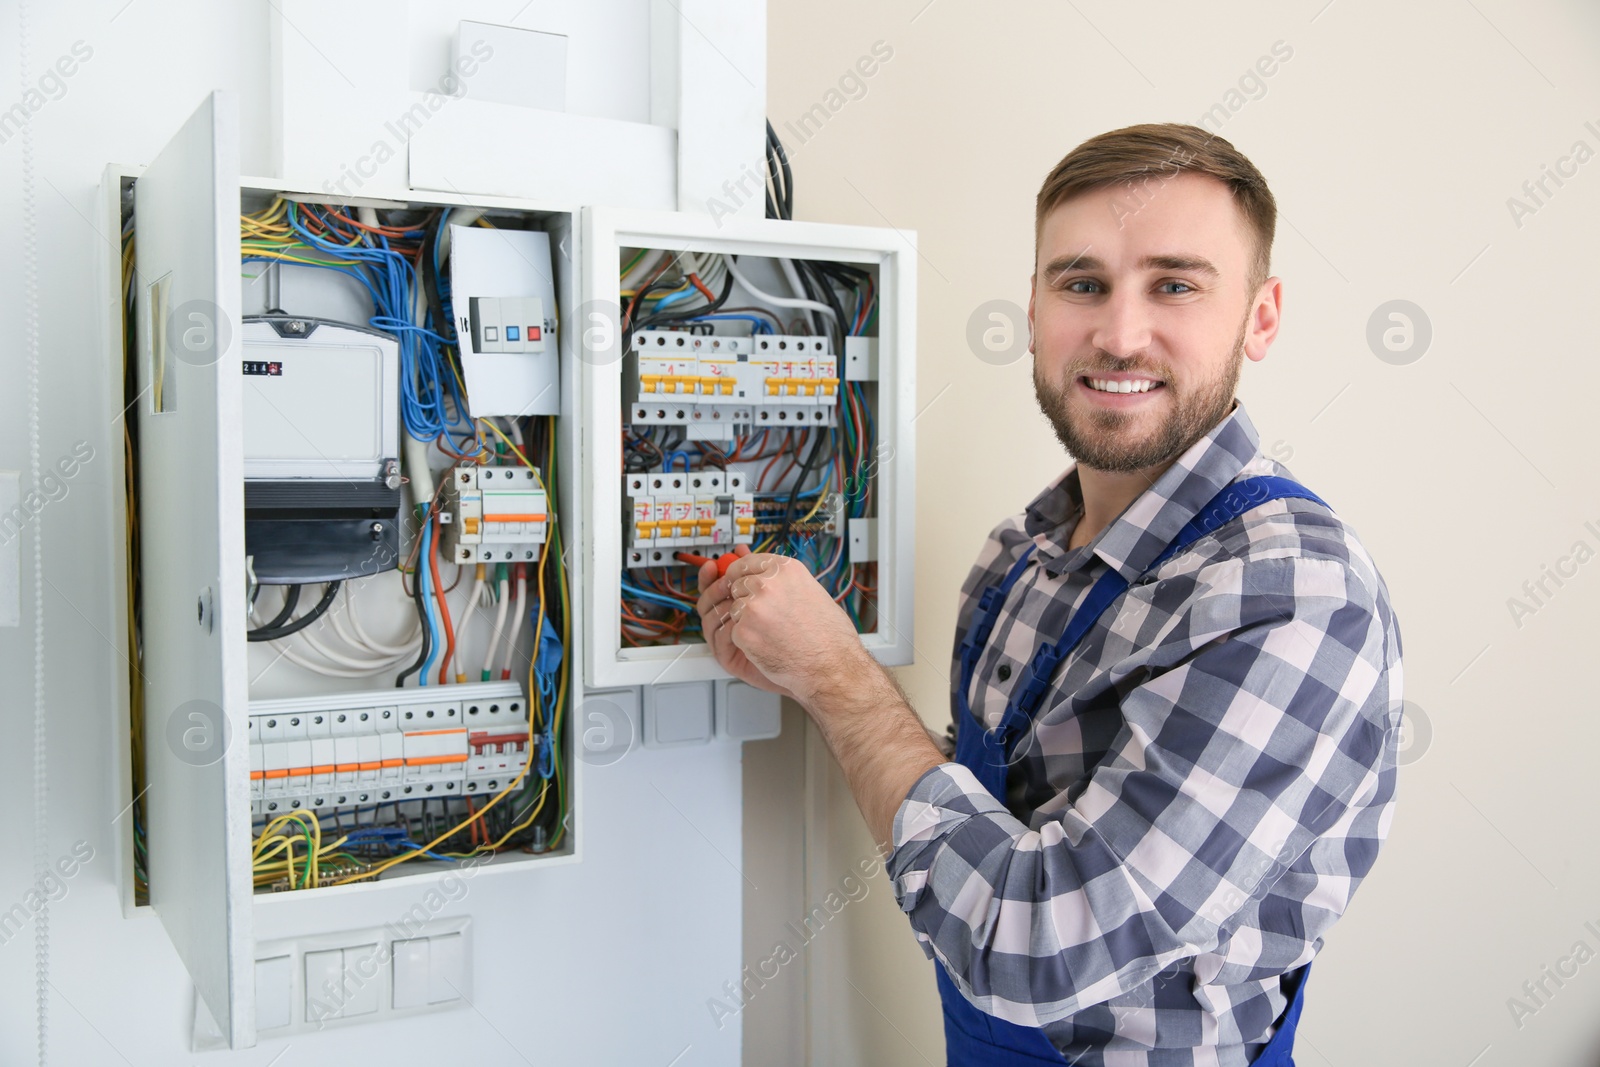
<point x="1393" y="137"/>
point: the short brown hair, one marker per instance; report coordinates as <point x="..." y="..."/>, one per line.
<point x="1164" y="150"/>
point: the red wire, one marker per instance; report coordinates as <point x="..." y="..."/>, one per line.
<point x="783" y="446"/>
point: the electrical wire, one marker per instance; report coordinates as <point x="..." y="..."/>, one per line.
<point x="503" y="598"/>
<point x="775" y="301"/>
<point x="472" y="609"/>
<point x="516" y="623"/>
<point x="276" y="633"/>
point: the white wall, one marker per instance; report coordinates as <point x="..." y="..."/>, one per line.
<point x="607" y="961"/>
<point x="1392" y="139"/>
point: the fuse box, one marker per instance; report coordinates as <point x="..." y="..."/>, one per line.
<point x="754" y="387"/>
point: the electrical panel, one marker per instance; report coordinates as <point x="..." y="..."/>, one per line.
<point x="754" y="389"/>
<point x="359" y="633"/>
<point x="402" y="486"/>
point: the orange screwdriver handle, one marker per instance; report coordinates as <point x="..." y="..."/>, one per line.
<point x="723" y="561"/>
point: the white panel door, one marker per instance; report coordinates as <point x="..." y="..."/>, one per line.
<point x="191" y="508"/>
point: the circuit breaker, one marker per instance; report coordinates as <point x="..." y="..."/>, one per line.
<point x="495" y="513"/>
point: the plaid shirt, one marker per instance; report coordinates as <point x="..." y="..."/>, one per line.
<point x="1204" y="787"/>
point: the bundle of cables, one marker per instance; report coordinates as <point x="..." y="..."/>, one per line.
<point x="397" y="265"/>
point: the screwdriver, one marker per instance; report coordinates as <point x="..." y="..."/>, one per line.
<point x="723" y="561"/>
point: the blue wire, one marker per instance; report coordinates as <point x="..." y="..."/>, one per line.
<point x="391" y="281"/>
<point x="422" y="595"/>
<point x="674" y="298"/>
<point x="762" y="325"/>
<point x="645" y="594"/>
<point x="431" y="855"/>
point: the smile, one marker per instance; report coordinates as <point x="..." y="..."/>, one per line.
<point x="1122" y="385"/>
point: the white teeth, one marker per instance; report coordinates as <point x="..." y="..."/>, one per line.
<point x="1107" y="385"/>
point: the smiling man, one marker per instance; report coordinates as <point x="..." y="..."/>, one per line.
<point x="1176" y="675"/>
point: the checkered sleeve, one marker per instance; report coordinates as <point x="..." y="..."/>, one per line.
<point x="1261" y="728"/>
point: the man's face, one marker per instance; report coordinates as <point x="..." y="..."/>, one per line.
<point x="1144" y="291"/>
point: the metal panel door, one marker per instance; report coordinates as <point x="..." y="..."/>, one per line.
<point x="191" y="506"/>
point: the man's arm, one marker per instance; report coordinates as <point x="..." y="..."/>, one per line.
<point x="881" y="744"/>
<point x="1262" y="736"/>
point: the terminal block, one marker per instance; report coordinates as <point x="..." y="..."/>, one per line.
<point x="495" y="514"/>
<point x="719" y="387"/>
<point x="702" y="512"/>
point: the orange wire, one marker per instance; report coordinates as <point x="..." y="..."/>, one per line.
<point x="444" y="605"/>
<point x="387" y="231"/>
<point x="700" y="285"/>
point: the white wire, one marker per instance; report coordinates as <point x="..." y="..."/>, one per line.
<point x="351" y="668"/>
<point x="716" y="269"/>
<point x="461" y="631"/>
<point x="408" y="644"/>
<point x="371" y="666"/>
<point x="499" y="627"/>
<point x="334" y="672"/>
<point x="516" y="624"/>
<point x="777" y="301"/>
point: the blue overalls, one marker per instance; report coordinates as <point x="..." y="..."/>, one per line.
<point x="973" y="1037"/>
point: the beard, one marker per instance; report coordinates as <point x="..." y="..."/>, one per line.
<point x="1106" y="441"/>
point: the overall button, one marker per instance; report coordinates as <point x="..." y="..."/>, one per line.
<point x="1004" y="671"/>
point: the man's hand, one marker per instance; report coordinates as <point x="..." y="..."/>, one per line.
<point x="773" y="625"/>
<point x="770" y="623"/>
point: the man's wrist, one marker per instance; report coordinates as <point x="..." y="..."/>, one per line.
<point x="856" y="683"/>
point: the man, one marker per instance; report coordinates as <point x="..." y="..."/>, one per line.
<point x="1176" y="671"/>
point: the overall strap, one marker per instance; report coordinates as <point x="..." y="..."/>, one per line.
<point x="984" y="616"/>
<point x="1233" y="501"/>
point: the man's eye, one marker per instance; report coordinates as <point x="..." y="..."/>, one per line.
<point x="1186" y="287"/>
<point x="1072" y="286"/>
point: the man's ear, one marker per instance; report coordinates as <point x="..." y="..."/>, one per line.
<point x="1032" y="287"/>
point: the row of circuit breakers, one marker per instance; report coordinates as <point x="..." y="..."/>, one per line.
<point x="384" y="746"/>
<point x="717" y="388"/>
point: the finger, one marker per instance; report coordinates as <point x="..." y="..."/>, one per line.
<point x="708" y="574"/>
<point x="749" y="563"/>
<point x="712" y="594"/>
<point x="748" y="586"/>
<point x="710" y="625"/>
<point x="720" y="637"/>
